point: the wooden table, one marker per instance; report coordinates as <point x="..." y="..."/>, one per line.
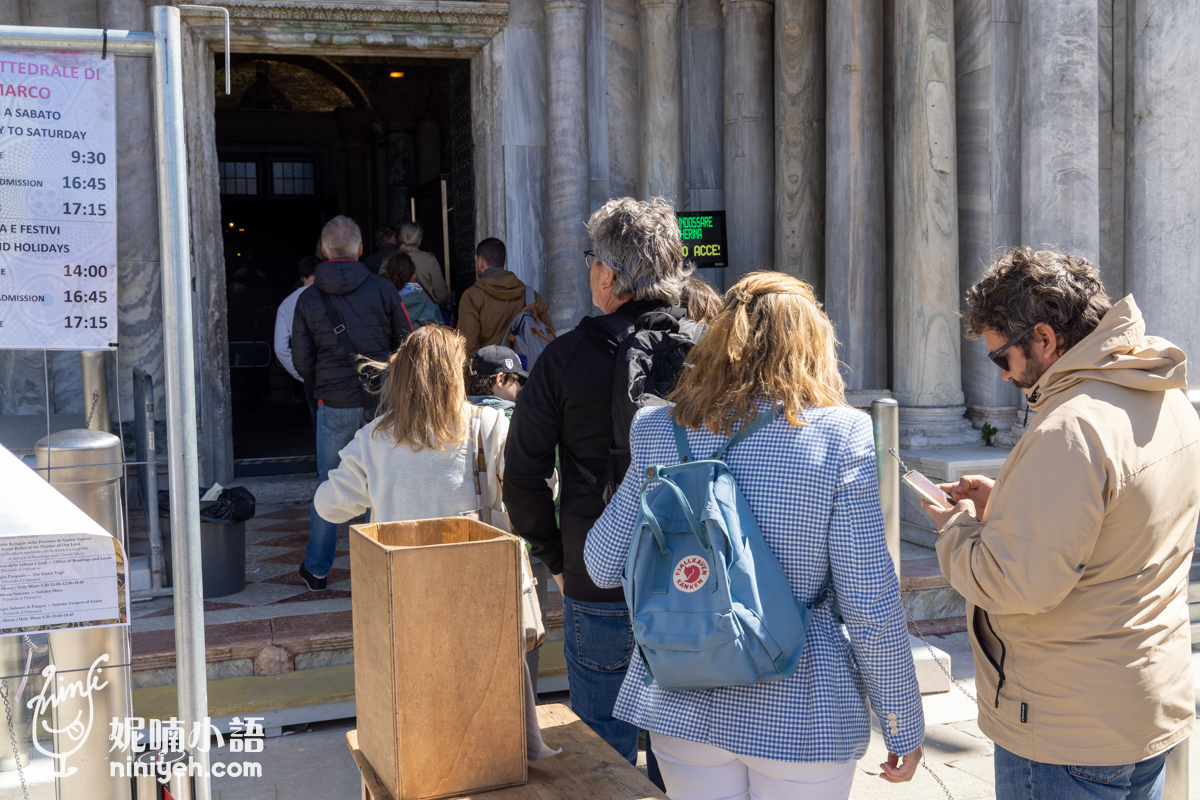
<point x="587" y="767"/>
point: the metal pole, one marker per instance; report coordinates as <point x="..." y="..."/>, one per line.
<point x="89" y="40"/>
<point x="446" y="231"/>
<point x="885" y="413"/>
<point x="143" y="401"/>
<point x="171" y="144"/>
<point x="96" y="414"/>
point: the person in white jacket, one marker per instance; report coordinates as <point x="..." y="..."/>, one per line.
<point x="415" y="460"/>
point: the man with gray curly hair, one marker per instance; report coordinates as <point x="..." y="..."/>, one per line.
<point x="1074" y="562"/>
<point x="636" y="274"/>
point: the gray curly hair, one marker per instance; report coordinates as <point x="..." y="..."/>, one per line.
<point x="341" y="238"/>
<point x="639" y="241"/>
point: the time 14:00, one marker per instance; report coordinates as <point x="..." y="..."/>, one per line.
<point x="85" y="209"/>
<point x="80" y="271"/>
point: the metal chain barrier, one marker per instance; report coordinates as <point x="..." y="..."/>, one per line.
<point x="92" y="411"/>
<point x="12" y="737"/>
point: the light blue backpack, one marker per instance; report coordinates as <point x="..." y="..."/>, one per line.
<point x="710" y="604"/>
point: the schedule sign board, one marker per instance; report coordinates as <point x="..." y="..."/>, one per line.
<point x="58" y="192"/>
<point x="703" y="235"/>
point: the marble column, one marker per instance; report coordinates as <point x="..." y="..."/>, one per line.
<point x="749" y="137"/>
<point x="140" y="296"/>
<point x="928" y="378"/>
<point x="615" y="114"/>
<point x="1060" y="158"/>
<point x="987" y="100"/>
<point x="1162" y="195"/>
<point x="855" y="276"/>
<point x="566" y="162"/>
<point x="800" y="140"/>
<point x="214" y="435"/>
<point x="660" y="173"/>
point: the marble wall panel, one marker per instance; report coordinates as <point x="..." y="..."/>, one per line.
<point x="525" y="197"/>
<point x="525" y="87"/>
<point x="60" y="13"/>
<point x="1162" y="193"/>
<point x="704" y="128"/>
<point x="10" y="12"/>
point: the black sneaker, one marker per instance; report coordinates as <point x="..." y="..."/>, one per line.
<point x="313" y="583"/>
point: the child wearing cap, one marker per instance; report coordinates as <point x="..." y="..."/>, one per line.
<point x="494" y="378"/>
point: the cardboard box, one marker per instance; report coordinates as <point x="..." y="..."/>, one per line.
<point x="439" y="653"/>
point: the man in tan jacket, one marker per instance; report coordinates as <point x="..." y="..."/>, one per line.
<point x="489" y="305"/>
<point x="1074" y="562"/>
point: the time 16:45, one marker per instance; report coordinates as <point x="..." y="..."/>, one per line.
<point x="75" y="182"/>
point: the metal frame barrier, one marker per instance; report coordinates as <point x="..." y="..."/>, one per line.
<point x="163" y="45"/>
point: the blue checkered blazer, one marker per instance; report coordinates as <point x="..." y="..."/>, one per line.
<point x="815" y="494"/>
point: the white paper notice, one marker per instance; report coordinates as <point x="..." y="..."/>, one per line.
<point x="58" y="193"/>
<point x="58" y="568"/>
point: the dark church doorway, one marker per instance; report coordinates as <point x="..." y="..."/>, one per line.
<point x="300" y="140"/>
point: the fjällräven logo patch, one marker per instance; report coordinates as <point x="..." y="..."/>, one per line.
<point x="690" y="574"/>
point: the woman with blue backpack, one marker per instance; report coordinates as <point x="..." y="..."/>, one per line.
<point x="748" y="538"/>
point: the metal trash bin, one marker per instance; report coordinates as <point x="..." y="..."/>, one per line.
<point x="222" y="556"/>
<point x="150" y="769"/>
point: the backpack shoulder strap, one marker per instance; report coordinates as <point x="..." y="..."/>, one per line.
<point x="749" y="429"/>
<point x="681" y="442"/>
<point x="339" y="327"/>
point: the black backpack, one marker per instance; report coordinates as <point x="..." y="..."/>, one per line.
<point x="649" y="359"/>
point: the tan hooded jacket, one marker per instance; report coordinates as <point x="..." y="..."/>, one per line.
<point x="489" y="305"/>
<point x="1076" y="579"/>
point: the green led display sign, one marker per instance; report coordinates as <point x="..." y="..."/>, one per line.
<point x="703" y="235"/>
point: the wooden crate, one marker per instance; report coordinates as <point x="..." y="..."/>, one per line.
<point x="438" y="656"/>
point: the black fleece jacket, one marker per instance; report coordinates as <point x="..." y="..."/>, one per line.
<point x="374" y="316"/>
<point x="567" y="404"/>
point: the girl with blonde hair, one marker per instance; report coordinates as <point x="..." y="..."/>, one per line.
<point x="809" y="478"/>
<point x="415" y="459"/>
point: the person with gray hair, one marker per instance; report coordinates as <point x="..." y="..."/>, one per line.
<point x="346" y="313"/>
<point x="636" y="274"/>
<point x="429" y="272"/>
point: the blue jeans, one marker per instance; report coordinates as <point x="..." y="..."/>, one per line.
<point x="1020" y="778"/>
<point x="335" y="429"/>
<point x="598" y="643"/>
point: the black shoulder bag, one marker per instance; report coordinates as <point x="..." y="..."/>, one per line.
<point x="370" y="380"/>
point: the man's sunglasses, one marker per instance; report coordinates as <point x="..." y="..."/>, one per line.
<point x="997" y="356"/>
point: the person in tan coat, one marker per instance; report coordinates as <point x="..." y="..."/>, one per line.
<point x="488" y="307"/>
<point x="1074" y="562"/>
<point x="429" y="272"/>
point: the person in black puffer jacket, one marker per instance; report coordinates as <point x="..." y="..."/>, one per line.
<point x="376" y="323"/>
<point x="567" y="404"/>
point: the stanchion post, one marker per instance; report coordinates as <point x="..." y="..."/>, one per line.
<point x="885" y="414"/>
<point x="171" y="147"/>
<point x="85" y="467"/>
<point x="94" y="366"/>
<point x="1175" y="784"/>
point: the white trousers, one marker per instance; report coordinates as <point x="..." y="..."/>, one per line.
<point x="694" y="771"/>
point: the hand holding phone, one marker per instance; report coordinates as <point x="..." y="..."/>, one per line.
<point x="927" y="490"/>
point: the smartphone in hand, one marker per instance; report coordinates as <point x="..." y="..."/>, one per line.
<point x="927" y="490"/>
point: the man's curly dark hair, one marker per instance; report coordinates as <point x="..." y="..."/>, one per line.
<point x="1022" y="288"/>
